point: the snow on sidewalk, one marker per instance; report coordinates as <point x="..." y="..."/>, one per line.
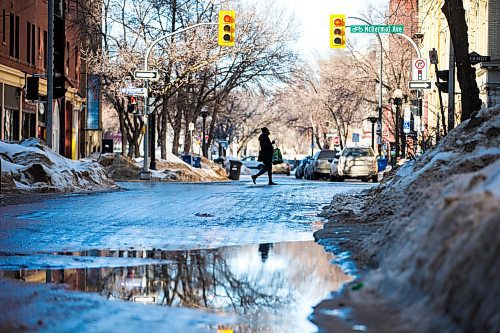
<point x="30" y="166"/>
<point x="435" y="254"/>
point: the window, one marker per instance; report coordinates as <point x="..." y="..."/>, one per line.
<point x="3" y="25"/>
<point x="30" y="43"/>
<point x="11" y="36"/>
<point x="33" y="44"/>
<point x="67" y="59"/>
<point x="45" y="55"/>
<point x="77" y="69"/>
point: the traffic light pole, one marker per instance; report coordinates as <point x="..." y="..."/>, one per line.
<point x="379" y="122"/>
<point x="50" y="73"/>
<point x="145" y="173"/>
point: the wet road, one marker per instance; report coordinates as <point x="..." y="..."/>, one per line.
<point x="233" y="247"/>
<point x="170" y="216"/>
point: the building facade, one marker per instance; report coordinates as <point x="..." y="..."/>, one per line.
<point x="483" y="21"/>
<point x="23" y="53"/>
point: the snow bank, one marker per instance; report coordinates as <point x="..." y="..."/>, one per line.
<point x="435" y="251"/>
<point x="173" y="169"/>
<point x="51" y="308"/>
<point x="32" y="166"/>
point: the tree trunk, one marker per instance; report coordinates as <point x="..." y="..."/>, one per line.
<point x="454" y="12"/>
<point x="163" y="128"/>
<point x="177" y="131"/>
<point x="187" y="138"/>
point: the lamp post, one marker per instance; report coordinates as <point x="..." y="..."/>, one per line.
<point x="373" y="120"/>
<point x="204" y="114"/>
<point x="397" y="96"/>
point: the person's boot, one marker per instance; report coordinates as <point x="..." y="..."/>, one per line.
<point x="254" y="177"/>
<point x="272" y="183"/>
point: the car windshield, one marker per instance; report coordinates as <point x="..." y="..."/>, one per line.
<point x="327" y="154"/>
<point x="357" y="152"/>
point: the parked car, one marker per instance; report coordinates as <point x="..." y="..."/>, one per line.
<point x="282" y="168"/>
<point x="320" y="165"/>
<point x="358" y="162"/>
<point x="299" y="172"/>
<point x="251" y="162"/>
<point x="334" y="173"/>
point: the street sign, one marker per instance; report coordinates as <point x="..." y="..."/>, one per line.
<point x="476" y="58"/>
<point x="419" y="69"/>
<point x="433" y="56"/>
<point x="407" y="114"/>
<point x="336" y="140"/>
<point x="146" y="75"/>
<point x="191" y="126"/>
<point x="415" y="85"/>
<point x="377" y="29"/>
<point x="406" y="126"/>
<point x="416" y="123"/>
<point x="133" y="91"/>
<point x="355" y="137"/>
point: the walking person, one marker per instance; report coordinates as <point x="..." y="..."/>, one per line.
<point x="265" y="156"/>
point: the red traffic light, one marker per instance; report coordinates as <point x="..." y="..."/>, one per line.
<point x="337" y="22"/>
<point x="228" y="19"/>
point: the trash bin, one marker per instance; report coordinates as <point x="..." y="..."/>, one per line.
<point x="107" y="146"/>
<point x="187" y="159"/>
<point x="197" y="162"/>
<point x="382" y="164"/>
<point x="234" y="169"/>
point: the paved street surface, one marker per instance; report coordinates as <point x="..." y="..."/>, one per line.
<point x="170" y="216"/>
<point x="234" y="247"/>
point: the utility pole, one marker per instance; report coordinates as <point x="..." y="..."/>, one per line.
<point x="451" y="89"/>
<point x="50" y="73"/>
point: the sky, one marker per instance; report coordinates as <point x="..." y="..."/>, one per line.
<point x="313" y="16"/>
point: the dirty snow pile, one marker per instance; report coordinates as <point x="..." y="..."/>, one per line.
<point x="435" y="238"/>
<point x="173" y="169"/>
<point x="30" y="166"/>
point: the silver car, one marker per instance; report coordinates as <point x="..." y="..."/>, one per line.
<point x="319" y="166"/>
<point x="358" y="162"/>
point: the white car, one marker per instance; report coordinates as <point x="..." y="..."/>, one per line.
<point x="251" y="162"/>
<point x="358" y="162"/>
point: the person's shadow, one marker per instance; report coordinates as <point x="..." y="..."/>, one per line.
<point x="264" y="251"/>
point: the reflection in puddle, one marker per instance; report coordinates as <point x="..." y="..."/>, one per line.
<point x="270" y="287"/>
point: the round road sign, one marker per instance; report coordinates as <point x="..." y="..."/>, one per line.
<point x="419" y="64"/>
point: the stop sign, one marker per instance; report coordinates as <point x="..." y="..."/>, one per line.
<point x="336" y="140"/>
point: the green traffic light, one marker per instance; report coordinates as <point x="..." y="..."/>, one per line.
<point x="227" y="37"/>
<point x="337" y="40"/>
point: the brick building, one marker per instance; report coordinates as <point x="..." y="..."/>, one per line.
<point x="23" y="53"/>
<point x="483" y="21"/>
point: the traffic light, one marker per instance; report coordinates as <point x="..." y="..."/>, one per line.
<point x="131" y="105"/>
<point x="32" y="88"/>
<point x="337" y="31"/>
<point x="443" y="77"/>
<point x="227" y="24"/>
<point x="59" y="87"/>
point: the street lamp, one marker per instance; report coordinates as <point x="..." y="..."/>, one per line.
<point x="373" y="120"/>
<point x="204" y="114"/>
<point x="397" y="98"/>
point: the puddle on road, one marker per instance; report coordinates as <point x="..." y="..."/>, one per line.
<point x="269" y="287"/>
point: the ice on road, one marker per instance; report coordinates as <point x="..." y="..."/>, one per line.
<point x="169" y="216"/>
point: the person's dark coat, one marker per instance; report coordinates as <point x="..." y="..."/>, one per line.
<point x="266" y="149"/>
